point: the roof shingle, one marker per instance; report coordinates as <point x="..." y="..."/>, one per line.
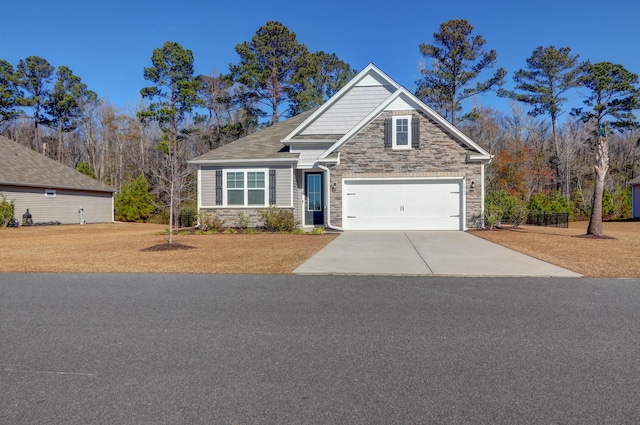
<point x="263" y="144"/>
<point x="21" y="166"/>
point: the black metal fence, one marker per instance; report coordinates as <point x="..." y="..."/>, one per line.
<point x="186" y="219"/>
<point x="548" y="219"/>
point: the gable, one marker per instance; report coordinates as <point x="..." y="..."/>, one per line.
<point x="402" y="100"/>
<point x="349" y="106"/>
<point x="349" y="110"/>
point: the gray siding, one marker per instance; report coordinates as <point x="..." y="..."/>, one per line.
<point x="208" y="186"/>
<point x="97" y="206"/>
<point x="298" y="195"/>
<point x="349" y="110"/>
<point x="283" y="184"/>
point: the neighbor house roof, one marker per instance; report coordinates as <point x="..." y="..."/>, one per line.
<point x="635" y="181"/>
<point x="265" y="144"/>
<point x="22" y="166"/>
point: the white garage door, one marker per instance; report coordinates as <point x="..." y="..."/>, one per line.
<point x="402" y="205"/>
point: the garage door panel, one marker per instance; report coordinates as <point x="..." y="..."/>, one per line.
<point x="403" y="205"/>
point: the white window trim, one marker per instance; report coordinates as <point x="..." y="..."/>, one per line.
<point x="49" y="193"/>
<point x="246" y="188"/>
<point x="393" y="136"/>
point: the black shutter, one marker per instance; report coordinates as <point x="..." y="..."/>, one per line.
<point x="272" y="187"/>
<point x="415" y="132"/>
<point x="218" y="187"/>
<point x="388" y="132"/>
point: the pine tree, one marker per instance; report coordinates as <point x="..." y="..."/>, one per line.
<point x="550" y="73"/>
<point x="457" y="59"/>
<point x="267" y="66"/>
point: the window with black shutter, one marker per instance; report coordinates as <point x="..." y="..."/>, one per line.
<point x="272" y="187"/>
<point x="399" y="129"/>
<point x="218" y="187"/>
<point x="388" y="133"/>
<point x="415" y="132"/>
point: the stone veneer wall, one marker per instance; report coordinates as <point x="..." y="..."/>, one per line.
<point x="230" y="215"/>
<point x="439" y="155"/>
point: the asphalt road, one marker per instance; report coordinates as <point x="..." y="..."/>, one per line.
<point x="195" y="349"/>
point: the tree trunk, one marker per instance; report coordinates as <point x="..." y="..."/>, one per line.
<point x="60" y="141"/>
<point x="556" y="151"/>
<point x="601" y="167"/>
<point x="171" y="209"/>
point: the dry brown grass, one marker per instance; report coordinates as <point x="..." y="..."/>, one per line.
<point x="563" y="247"/>
<point x="117" y="248"/>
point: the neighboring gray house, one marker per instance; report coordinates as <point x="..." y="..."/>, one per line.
<point x="50" y="190"/>
<point x="635" y="197"/>
<point x="373" y="157"/>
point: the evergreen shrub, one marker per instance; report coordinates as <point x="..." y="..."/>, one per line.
<point x="278" y="220"/>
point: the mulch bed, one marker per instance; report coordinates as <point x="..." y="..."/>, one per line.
<point x="167" y="247"/>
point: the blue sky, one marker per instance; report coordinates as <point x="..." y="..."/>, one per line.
<point x="109" y="43"/>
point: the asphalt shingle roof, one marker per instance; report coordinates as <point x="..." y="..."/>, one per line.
<point x="263" y="144"/>
<point x="22" y="166"/>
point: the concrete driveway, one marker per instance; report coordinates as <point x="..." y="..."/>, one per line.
<point x="423" y="253"/>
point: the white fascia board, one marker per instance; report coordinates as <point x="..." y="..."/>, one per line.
<point x="56" y="187"/>
<point x="313" y="165"/>
<point x="355" y="80"/>
<point x="446" y="124"/>
<point x="335" y="160"/>
<point x="307" y="142"/>
<point x="321" y="143"/>
<point x="346" y="180"/>
<point x="453" y="129"/>
<point x="243" y="161"/>
<point x="481" y="158"/>
<point x="307" y="165"/>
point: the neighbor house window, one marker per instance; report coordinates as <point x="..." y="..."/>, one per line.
<point x="48" y="193"/>
<point x="402" y="132"/>
<point x="246" y="188"/>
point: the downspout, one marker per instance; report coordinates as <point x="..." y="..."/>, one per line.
<point x="482" y="193"/>
<point x="328" y="200"/>
<point x="199" y="194"/>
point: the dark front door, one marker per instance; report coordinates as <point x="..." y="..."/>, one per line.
<point x="314" y="211"/>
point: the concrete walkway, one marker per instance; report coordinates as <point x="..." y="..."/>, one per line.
<point x="423" y="253"/>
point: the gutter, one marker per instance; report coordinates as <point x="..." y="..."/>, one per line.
<point x="328" y="200"/>
<point x="55" y="186"/>
<point x="231" y="162"/>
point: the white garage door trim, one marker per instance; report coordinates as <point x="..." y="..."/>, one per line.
<point x="434" y="203"/>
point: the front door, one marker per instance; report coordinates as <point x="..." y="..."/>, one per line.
<point x="314" y="211"/>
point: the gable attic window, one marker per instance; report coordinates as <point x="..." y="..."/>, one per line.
<point x="49" y="193"/>
<point x="402" y="132"/>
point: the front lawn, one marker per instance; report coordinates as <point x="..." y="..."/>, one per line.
<point x="564" y="247"/>
<point x="123" y="248"/>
